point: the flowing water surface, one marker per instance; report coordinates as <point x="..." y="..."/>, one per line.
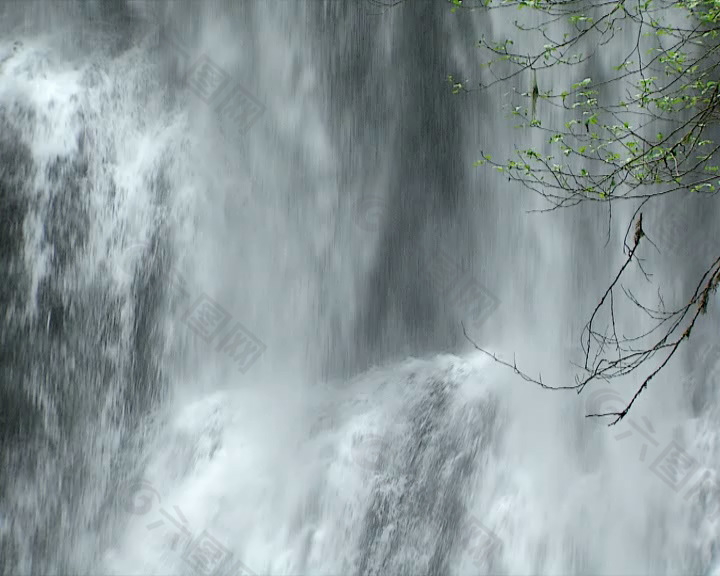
<point x="237" y="243"/>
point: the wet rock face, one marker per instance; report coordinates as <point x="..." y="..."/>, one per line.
<point x="417" y="517"/>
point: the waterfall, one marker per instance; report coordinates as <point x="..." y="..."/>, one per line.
<point x="237" y="244"/>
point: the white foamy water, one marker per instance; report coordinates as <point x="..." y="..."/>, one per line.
<point x="353" y="442"/>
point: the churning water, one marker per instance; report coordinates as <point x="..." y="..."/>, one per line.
<point x="237" y="242"/>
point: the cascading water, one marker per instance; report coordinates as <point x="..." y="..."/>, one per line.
<point x="143" y="242"/>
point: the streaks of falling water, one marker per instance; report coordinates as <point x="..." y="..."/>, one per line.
<point x="84" y="352"/>
<point x="114" y="176"/>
